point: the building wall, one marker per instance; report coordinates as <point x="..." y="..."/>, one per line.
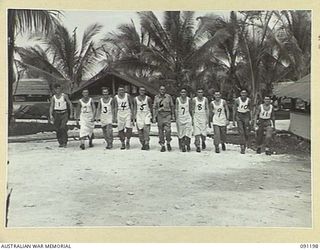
<point x="300" y="124"/>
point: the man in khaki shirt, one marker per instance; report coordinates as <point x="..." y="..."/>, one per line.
<point x="163" y="110"/>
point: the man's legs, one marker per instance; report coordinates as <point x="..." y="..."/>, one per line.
<point x="197" y="142"/>
<point x="241" y="129"/>
<point x="109" y="135"/>
<point x="188" y="143"/>
<point x="216" y="137"/>
<point x="146" y="135"/>
<point x="141" y="137"/>
<point x="167" y="130"/>
<point x="64" y="129"/>
<point x="260" y="134"/>
<point x="122" y="138"/>
<point x="223" y="137"/>
<point x="203" y="138"/>
<point x="268" y="139"/>
<point x="57" y="125"/>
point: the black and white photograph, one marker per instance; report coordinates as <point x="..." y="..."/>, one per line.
<point x="159" y="118"/>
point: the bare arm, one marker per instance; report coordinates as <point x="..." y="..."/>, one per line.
<point x="98" y="111"/>
<point x="135" y="107"/>
<point x="227" y="110"/>
<point x="51" y="108"/>
<point x="177" y="110"/>
<point x="273" y="119"/>
<point x="207" y="109"/>
<point x="193" y="106"/>
<point x="155" y="109"/>
<point x="190" y="107"/>
<point x="78" y="111"/>
<point x="172" y="108"/>
<point x="70" y="105"/>
<point x="93" y="105"/>
<point x="251" y="110"/>
<point x="131" y="105"/>
<point x="234" y="110"/>
<point x="150" y="105"/>
<point x="256" y="116"/>
<point x="115" y="103"/>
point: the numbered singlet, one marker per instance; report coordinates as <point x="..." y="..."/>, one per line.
<point x="200" y="107"/>
<point x="243" y="106"/>
<point x="142" y="106"/>
<point x="265" y="114"/>
<point x="219" y="118"/>
<point x="60" y="103"/>
<point x="183" y="111"/>
<point x="106" y="112"/>
<point x="123" y="104"/>
<point x="86" y="109"/>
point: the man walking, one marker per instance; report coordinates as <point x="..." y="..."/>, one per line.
<point x="86" y="111"/>
<point x="142" y="113"/>
<point x="184" y="120"/>
<point x="200" y="117"/>
<point x="163" y="111"/>
<point x="123" y="116"/>
<point x="220" y="120"/>
<point x="59" y="114"/>
<point x="263" y="118"/>
<point x="242" y="114"/>
<point x="106" y="111"/>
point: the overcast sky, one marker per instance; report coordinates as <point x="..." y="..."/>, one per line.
<point x="109" y="19"/>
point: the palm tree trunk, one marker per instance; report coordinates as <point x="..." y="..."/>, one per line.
<point x="11" y="77"/>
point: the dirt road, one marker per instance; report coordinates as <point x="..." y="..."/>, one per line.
<point x="55" y="187"/>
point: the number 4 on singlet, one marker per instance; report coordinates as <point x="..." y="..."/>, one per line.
<point x="123" y="105"/>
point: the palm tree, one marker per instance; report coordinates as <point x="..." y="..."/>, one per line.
<point x="295" y="35"/>
<point x="173" y="52"/>
<point x="61" y="58"/>
<point x="20" y="21"/>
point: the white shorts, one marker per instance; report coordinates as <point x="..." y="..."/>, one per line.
<point x="199" y="126"/>
<point x="124" y="120"/>
<point x="86" y="127"/>
<point x="143" y="118"/>
<point x="184" y="129"/>
<point x="105" y="120"/>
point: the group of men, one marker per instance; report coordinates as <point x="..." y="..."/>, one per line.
<point x="192" y="117"/>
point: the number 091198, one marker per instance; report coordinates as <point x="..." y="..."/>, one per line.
<point x="309" y="245"/>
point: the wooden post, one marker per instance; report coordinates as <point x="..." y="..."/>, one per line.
<point x="113" y="86"/>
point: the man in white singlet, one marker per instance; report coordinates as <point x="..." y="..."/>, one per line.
<point x="263" y="118"/>
<point x="123" y="115"/>
<point x="220" y="120"/>
<point x="242" y="114"/>
<point x="184" y="120"/>
<point x="86" y="111"/>
<point x="200" y="116"/>
<point x="59" y="114"/>
<point x="142" y="114"/>
<point x="105" y="113"/>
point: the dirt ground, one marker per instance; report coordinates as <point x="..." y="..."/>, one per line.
<point x="54" y="187"/>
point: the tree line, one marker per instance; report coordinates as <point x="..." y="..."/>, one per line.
<point x="242" y="50"/>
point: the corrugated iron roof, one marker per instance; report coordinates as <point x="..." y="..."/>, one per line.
<point x="110" y="72"/>
<point x="299" y="89"/>
<point x="31" y="87"/>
